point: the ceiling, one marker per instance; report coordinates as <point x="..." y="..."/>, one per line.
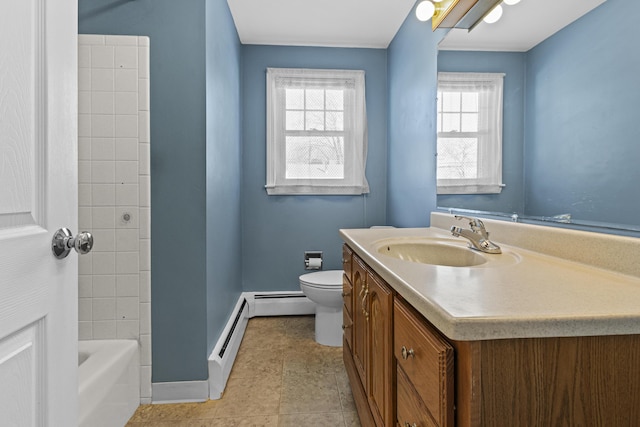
<point x="521" y="27"/>
<point x="374" y="23"/>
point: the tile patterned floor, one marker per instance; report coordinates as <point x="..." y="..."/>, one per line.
<point x="280" y="378"/>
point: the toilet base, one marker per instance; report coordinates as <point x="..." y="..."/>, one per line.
<point x="329" y="326"/>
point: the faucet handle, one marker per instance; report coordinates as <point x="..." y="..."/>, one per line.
<point x="475" y="223"/>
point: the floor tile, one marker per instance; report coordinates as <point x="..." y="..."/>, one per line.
<point x="333" y="419"/>
<point x="309" y="392"/>
<point x="258" y="396"/>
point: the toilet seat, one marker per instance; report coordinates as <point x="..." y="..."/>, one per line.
<point x="330" y="279"/>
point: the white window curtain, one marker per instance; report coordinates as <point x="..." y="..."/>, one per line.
<point x="484" y="136"/>
<point x="316" y="132"/>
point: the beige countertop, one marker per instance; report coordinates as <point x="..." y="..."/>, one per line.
<point x="517" y="294"/>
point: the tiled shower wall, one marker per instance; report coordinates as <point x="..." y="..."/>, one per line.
<point x="114" y="286"/>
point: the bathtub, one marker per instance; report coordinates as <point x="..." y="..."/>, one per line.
<point x="108" y="382"/>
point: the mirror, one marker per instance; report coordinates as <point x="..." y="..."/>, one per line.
<point x="571" y="133"/>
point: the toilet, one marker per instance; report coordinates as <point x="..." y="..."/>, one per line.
<point x="324" y="288"/>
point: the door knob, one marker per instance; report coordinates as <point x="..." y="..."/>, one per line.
<point x="63" y="241"/>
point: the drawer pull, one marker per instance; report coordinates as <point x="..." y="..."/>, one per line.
<point x="410" y="425"/>
<point x="344" y="261"/>
<point x="407" y="353"/>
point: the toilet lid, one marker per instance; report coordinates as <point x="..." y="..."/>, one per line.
<point x="324" y="279"/>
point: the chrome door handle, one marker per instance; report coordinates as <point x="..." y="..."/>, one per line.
<point x="63" y="241"/>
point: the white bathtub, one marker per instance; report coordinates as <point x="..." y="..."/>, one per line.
<point x="108" y="382"/>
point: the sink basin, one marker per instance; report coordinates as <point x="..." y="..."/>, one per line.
<point x="435" y="253"/>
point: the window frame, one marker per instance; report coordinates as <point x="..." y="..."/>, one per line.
<point x="354" y="152"/>
<point x="489" y="87"/>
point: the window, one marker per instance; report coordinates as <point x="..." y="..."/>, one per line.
<point x="316" y="132"/>
<point x="469" y="133"/>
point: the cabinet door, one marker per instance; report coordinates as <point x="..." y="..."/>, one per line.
<point x="380" y="354"/>
<point x="359" y="318"/>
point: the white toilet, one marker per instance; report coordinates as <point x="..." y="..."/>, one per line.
<point x="324" y="288"/>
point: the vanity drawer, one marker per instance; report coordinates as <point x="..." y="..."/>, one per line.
<point x="347" y="294"/>
<point x="427" y="359"/>
<point x="410" y="409"/>
<point x="347" y="327"/>
<point x="347" y="257"/>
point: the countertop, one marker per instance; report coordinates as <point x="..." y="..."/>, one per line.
<point x="517" y="294"/>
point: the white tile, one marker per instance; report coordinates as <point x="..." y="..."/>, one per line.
<point x="127" y="308"/>
<point x="102" y="103"/>
<point x="90" y="39"/>
<point x="104" y="263"/>
<point x="145" y="382"/>
<point x="84" y="56"/>
<point x="104" y="240"/>
<point x="145" y="254"/>
<point x="103" y="149"/>
<point x="84" y="125"/>
<point x="104" y="308"/>
<point x="126" y="126"/>
<point x="126" y="194"/>
<point x="104" y="330"/>
<point x="85" y="264"/>
<point x="84" y="79"/>
<point x="84" y="171"/>
<point x="127" y="329"/>
<point x="102" y="125"/>
<point x="102" y="56"/>
<point x="143" y="62"/>
<point x="103" y="194"/>
<point x="145" y="318"/>
<point x="84" y="148"/>
<point x="127" y="263"/>
<point x="127" y="217"/>
<point x="85" y="309"/>
<point x="85" y="330"/>
<point x="145" y="223"/>
<point x="102" y="79"/>
<point x="127" y="239"/>
<point x="127" y="172"/>
<point x="104" y="285"/>
<point x="145" y="191"/>
<point x="127" y="149"/>
<point x="143" y="40"/>
<point x="143" y="94"/>
<point x="84" y="194"/>
<point x="143" y="126"/>
<point x="126" y="80"/>
<point x="127" y="285"/>
<point x="126" y="103"/>
<point x="103" y="216"/>
<point x="144" y="159"/>
<point x="126" y="57"/>
<point x="145" y="287"/>
<point x="103" y="172"/>
<point x="118" y="40"/>
<point x="145" y="350"/>
<point x="85" y="220"/>
<point x="84" y="102"/>
<point x="85" y="286"/>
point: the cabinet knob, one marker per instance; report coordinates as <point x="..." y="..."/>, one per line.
<point x="410" y="425"/>
<point x="407" y="353"/>
<point x="346" y="294"/>
<point x="344" y="261"/>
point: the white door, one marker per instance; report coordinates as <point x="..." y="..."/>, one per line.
<point x="38" y="195"/>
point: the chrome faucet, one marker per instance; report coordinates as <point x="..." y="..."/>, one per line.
<point x="478" y="236"/>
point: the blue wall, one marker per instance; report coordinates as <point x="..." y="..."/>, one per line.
<point x="278" y="229"/>
<point x="582" y="126"/>
<point x="411" y="183"/>
<point x="513" y="64"/>
<point x="224" y="136"/>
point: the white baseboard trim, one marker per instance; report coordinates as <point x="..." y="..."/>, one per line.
<point x="180" y="392"/>
<point x="257" y="304"/>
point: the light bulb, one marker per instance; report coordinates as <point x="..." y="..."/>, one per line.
<point x="510" y="2"/>
<point x="494" y="15"/>
<point x="425" y="10"/>
<point x="438" y="1"/>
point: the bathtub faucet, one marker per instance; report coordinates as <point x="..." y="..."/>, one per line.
<point x="478" y="236"/>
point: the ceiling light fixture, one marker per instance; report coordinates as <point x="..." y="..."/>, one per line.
<point x="511" y="2"/>
<point x="494" y="15"/>
<point x="425" y="10"/>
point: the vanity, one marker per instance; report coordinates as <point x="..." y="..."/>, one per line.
<point x="547" y="333"/>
